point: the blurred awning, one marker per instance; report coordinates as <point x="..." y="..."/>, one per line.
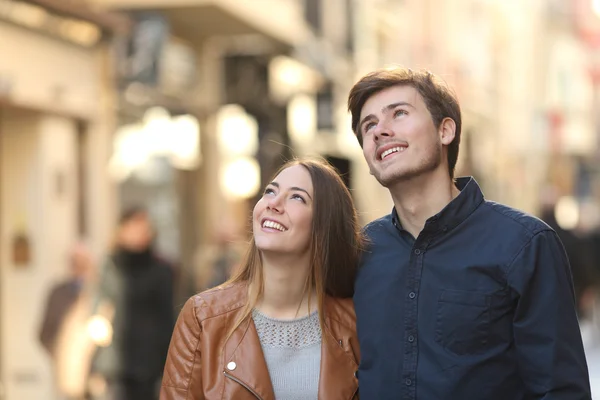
<point x="194" y="20"/>
<point x="107" y="21"/>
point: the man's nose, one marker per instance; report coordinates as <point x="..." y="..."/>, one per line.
<point x="383" y="129"/>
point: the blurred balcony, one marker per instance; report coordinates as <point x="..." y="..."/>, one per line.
<point x="193" y="20"/>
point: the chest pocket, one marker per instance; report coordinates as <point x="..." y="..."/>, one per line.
<point x="463" y="321"/>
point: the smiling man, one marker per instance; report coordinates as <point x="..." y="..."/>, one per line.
<point x="457" y="297"/>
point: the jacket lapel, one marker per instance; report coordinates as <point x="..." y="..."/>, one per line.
<point x="338" y="368"/>
<point x="244" y="362"/>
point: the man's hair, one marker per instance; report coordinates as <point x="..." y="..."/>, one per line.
<point x="439" y="99"/>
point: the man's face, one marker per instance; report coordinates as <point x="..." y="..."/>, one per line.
<point x="136" y="233"/>
<point x="400" y="140"/>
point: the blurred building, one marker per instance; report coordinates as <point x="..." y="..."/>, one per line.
<point x="263" y="80"/>
<point x="56" y="120"/>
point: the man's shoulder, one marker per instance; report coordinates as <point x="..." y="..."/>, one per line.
<point x="506" y="217"/>
<point x="220" y="300"/>
<point x="378" y="225"/>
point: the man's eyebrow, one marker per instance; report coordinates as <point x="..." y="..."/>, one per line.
<point x="384" y="110"/>
<point x="296" y="188"/>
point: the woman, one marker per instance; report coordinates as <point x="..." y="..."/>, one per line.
<point x="283" y="327"/>
<point x="138" y="286"/>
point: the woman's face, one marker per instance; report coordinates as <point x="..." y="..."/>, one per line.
<point x="282" y="218"/>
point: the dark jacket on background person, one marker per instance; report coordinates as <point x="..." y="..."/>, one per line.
<point x="197" y="366"/>
<point x="479" y="306"/>
<point x="140" y="288"/>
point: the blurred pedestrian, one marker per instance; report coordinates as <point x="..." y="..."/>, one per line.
<point x="457" y="297"/>
<point x="63" y="331"/>
<point x="137" y="287"/>
<point x="283" y="327"/>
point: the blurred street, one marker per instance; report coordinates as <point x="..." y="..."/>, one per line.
<point x="139" y="133"/>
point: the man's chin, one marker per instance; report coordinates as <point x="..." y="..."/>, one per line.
<point x="388" y="180"/>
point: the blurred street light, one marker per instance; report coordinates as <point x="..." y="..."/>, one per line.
<point x="159" y="135"/>
<point x="302" y="121"/>
<point x="237" y="131"/>
<point x="240" y="178"/>
<point x="566" y="212"/>
<point x="596" y="7"/>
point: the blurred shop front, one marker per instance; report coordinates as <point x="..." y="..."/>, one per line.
<point x="55" y="126"/>
<point x="199" y="129"/>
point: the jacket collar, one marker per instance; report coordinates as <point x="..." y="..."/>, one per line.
<point x="245" y="364"/>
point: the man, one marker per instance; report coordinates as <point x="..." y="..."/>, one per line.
<point x="63" y="332"/>
<point x="137" y="286"/>
<point x="457" y="297"/>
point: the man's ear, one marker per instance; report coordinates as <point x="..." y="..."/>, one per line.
<point x="447" y="131"/>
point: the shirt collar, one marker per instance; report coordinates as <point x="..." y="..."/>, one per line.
<point x="455" y="212"/>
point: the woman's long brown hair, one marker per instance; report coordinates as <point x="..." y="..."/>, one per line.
<point x="335" y="246"/>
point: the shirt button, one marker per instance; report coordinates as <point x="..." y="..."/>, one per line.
<point x="412" y="295"/>
<point x="408" y="382"/>
<point x="417" y="251"/>
<point x="411" y="338"/>
<point x="445" y="229"/>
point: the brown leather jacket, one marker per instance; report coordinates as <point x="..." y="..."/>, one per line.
<point x="200" y="366"/>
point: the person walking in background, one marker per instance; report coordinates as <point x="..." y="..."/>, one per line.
<point x="137" y="287"/>
<point x="283" y="327"/>
<point x="63" y="331"/>
<point x="457" y="297"/>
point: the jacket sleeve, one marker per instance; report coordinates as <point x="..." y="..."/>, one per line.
<point x="182" y="378"/>
<point x="548" y="343"/>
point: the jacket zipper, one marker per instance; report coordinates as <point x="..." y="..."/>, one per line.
<point x="243" y="384"/>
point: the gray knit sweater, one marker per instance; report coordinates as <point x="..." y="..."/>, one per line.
<point x="292" y="350"/>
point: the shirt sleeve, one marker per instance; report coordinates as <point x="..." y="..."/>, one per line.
<point x="182" y="377"/>
<point x="546" y="331"/>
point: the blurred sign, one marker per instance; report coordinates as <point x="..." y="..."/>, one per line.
<point x="177" y="68"/>
<point x="141" y="55"/>
<point x="21" y="252"/>
<point x="31" y="16"/>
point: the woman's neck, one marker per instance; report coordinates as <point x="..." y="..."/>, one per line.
<point x="285" y="295"/>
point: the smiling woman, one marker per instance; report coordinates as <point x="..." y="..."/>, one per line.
<point x="284" y="325"/>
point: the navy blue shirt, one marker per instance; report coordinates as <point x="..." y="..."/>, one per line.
<point x="479" y="306"/>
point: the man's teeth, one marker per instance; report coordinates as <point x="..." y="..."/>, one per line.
<point x="392" y="150"/>
<point x="275" y="225"/>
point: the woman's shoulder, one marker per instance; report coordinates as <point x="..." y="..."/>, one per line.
<point x="220" y="300"/>
<point x="341" y="310"/>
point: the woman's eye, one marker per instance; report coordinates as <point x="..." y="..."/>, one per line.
<point x="269" y="191"/>
<point x="399" y="112"/>
<point x="298" y="197"/>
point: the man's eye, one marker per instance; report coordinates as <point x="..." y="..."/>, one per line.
<point x="369" y="126"/>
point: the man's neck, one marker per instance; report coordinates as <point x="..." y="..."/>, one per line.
<point x="422" y="197"/>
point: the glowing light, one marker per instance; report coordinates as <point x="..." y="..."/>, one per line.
<point x="177" y="138"/>
<point x="596" y="7"/>
<point x="566" y="212"/>
<point x="100" y="330"/>
<point x="302" y="121"/>
<point x="241" y="178"/>
<point x="237" y="130"/>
